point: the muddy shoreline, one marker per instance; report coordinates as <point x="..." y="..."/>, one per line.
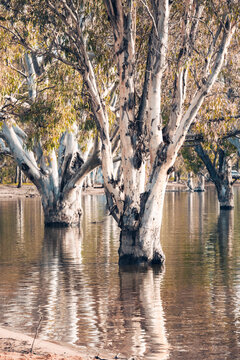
<point x="30" y="191"/>
<point x="16" y="346"/>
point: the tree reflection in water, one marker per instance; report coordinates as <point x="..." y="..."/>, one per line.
<point x="142" y="311"/>
<point x="120" y="311"/>
<point x="72" y="278"/>
<point x="74" y="282"/>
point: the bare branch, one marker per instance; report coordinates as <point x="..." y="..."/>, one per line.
<point x="151" y="16"/>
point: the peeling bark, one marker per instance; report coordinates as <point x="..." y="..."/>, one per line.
<point x="136" y="204"/>
<point x="57" y="177"/>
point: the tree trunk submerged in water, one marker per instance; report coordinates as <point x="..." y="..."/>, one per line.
<point x="143" y="133"/>
<point x="144" y="136"/>
<point x="57" y="176"/>
<point x="220" y="175"/>
<point x="225" y="196"/>
<point x="201" y="183"/>
<point x="63" y="212"/>
<point x="140" y="230"/>
<point x="141" y="246"/>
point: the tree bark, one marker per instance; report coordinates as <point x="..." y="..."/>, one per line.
<point x="19" y="177"/>
<point x="221" y="177"/>
<point x="143" y="138"/>
<point x="201" y="183"/>
<point x="140" y="229"/>
<point x="58" y="178"/>
<point x="65" y="211"/>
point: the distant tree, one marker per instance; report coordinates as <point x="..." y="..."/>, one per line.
<point x="218" y="123"/>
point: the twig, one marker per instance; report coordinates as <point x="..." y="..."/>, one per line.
<point x="151" y="16"/>
<point x="39" y="323"/>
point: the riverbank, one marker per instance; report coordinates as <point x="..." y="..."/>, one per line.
<point x="16" y="346"/>
<point x="30" y="191"/>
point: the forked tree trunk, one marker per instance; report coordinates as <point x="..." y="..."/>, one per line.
<point x="58" y="178"/>
<point x="142" y="130"/>
<point x="62" y="211"/>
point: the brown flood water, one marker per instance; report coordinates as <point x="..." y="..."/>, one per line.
<point x="191" y="310"/>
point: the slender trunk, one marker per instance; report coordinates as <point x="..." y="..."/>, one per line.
<point x="190" y="181"/>
<point x="177" y="176"/>
<point x="201" y="183"/>
<point x="19" y="178"/>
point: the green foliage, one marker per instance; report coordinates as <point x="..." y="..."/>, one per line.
<point x="191" y="160"/>
<point x="52" y="32"/>
<point x="7" y="172"/>
<point x="59" y="101"/>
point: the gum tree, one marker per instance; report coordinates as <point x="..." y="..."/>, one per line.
<point x="167" y="57"/>
<point x="137" y="204"/>
<point x="218" y="122"/>
<point x="40" y="129"/>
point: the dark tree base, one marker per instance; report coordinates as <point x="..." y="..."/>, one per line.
<point x="61" y="224"/>
<point x="226" y="207"/>
<point x="132" y="260"/>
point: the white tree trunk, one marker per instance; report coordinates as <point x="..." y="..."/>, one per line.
<point x="225" y="189"/>
<point x="64" y="211"/>
<point x="142" y="244"/>
<point x="139" y="212"/>
<point x="57" y="178"/>
<point x="201" y="183"/>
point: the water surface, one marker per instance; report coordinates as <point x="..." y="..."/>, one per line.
<point x="191" y="310"/>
